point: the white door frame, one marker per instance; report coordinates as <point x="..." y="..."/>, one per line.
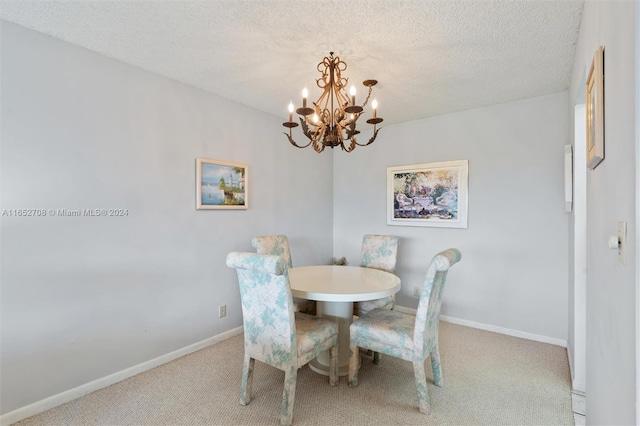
<point x="637" y="213"/>
<point x="579" y="360"/>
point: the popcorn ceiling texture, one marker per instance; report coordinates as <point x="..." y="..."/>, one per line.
<point x="429" y="57"/>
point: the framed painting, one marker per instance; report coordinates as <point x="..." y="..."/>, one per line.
<point x="429" y="194"/>
<point x="595" y="110"/>
<point x="221" y="185"/>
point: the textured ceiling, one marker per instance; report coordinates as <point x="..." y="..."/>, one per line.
<point x="430" y="57"/>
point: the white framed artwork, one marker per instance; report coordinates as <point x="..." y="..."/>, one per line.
<point x="428" y="194"/>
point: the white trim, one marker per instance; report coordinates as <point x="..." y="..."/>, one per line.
<point x="493" y="328"/>
<point x="576" y="385"/>
<point x="570" y="364"/>
<point x="637" y="218"/>
<point x="71" y="394"/>
<point x="568" y="178"/>
<point x="507" y="331"/>
<point x="579" y="246"/>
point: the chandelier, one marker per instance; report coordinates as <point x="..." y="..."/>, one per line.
<point x="331" y="120"/>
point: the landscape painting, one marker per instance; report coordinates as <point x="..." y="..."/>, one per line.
<point x="221" y="185"/>
<point x="429" y="194"/>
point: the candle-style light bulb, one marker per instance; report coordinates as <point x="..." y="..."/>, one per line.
<point x="290" y="110"/>
<point x="305" y="95"/>
<point x="353" y="94"/>
<point x="374" y="105"/>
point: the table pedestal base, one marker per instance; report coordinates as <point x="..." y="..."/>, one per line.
<point x="315" y="365"/>
<point x="342" y="313"/>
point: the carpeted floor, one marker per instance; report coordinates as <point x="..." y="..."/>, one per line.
<point x="489" y="379"/>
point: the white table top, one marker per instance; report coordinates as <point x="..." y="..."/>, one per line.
<point x="330" y="283"/>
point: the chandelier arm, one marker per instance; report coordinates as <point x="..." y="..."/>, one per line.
<point x="351" y="130"/>
<point x="342" y="99"/>
<point x="338" y="116"/>
<point x="373" y="138"/>
<point x="322" y="99"/>
<point x="294" y="142"/>
<point x="318" y="146"/>
<point x="315" y="135"/>
<point x="320" y="106"/>
<point x="305" y="128"/>
<point x="351" y="146"/>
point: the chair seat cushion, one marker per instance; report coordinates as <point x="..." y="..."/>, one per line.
<point x="313" y="331"/>
<point x="382" y="328"/>
<point x="305" y="306"/>
<point x="362" y="308"/>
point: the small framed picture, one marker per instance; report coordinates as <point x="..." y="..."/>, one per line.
<point x="221" y="185"/>
<point x="429" y="194"/>
<point x="595" y="110"/>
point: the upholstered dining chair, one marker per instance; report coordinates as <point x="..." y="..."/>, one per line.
<point x="273" y="332"/>
<point x="279" y="246"/>
<point x="379" y="252"/>
<point x="404" y="336"/>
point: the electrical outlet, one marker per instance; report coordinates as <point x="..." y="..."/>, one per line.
<point x="222" y="311"/>
<point x="416" y="291"/>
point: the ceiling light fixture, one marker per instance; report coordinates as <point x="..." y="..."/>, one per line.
<point x="332" y="119"/>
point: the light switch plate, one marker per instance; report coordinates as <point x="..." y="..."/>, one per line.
<point x="622" y="247"/>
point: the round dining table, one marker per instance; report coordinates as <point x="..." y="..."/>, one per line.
<point x="335" y="288"/>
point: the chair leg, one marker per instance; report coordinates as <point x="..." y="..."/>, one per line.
<point x="333" y="366"/>
<point x="376" y="358"/>
<point x="421" y="386"/>
<point x="435" y="366"/>
<point x="288" y="396"/>
<point x="354" y="365"/>
<point x="247" y="380"/>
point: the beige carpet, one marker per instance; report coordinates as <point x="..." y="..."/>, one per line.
<point x="489" y="379"/>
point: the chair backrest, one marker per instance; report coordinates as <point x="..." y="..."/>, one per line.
<point x="267" y="307"/>
<point x="428" y="313"/>
<point x="274" y="244"/>
<point x="379" y="252"/>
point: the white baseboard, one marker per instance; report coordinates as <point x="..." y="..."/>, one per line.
<point x="570" y="357"/>
<point x="579" y="386"/>
<point x="495" y="329"/>
<point x="576" y="385"/>
<point x="64" y="397"/>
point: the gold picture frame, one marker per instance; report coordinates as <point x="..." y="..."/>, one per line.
<point x="595" y="110"/>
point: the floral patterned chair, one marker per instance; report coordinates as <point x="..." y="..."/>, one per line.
<point x="279" y="245"/>
<point x="379" y="252"/>
<point x="404" y="336"/>
<point x="273" y="332"/>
